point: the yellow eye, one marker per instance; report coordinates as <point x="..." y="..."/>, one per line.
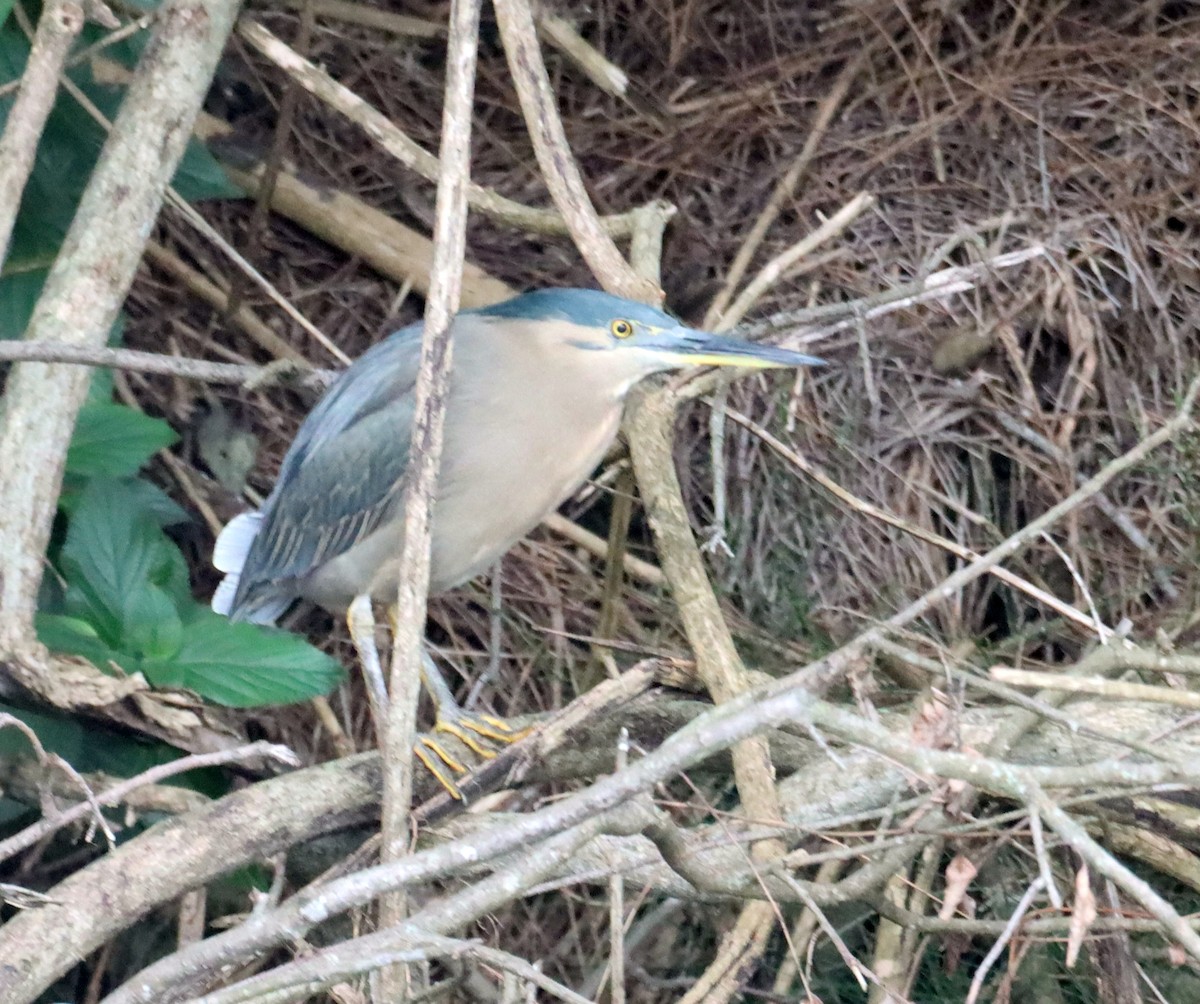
<point x="621" y="329"/>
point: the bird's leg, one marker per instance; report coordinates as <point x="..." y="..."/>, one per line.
<point x="451" y="719"/>
<point x="360" y="619"/>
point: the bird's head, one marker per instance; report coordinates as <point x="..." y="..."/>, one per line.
<point x="625" y="340"/>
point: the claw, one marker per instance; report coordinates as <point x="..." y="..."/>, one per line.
<point x="434" y="757"/>
<point x="458" y="728"/>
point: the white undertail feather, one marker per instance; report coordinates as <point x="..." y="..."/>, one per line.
<point x="222" y="601"/>
<point x="229" y="555"/>
<point x="233" y="543"/>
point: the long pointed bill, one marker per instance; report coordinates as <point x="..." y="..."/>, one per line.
<point x="699" y="348"/>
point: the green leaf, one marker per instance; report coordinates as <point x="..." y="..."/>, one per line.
<point x="111" y="550"/>
<point x="88" y="746"/>
<point x="151" y="628"/>
<point x="114" y="441"/>
<point x="60" y="735"/>
<point x="14" y="51"/>
<point x="75" y="636"/>
<point x="246" y="665"/>
<point x="171" y="570"/>
<point x="70" y="144"/>
<point x="152" y="503"/>
<point x="144" y="498"/>
<point x="5" y="9"/>
<point x="199" y="176"/>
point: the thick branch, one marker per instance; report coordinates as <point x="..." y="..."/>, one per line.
<point x="441" y="916"/>
<point x="109" y="895"/>
<point x="98" y="902"/>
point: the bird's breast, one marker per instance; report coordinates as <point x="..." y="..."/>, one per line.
<point x="508" y="462"/>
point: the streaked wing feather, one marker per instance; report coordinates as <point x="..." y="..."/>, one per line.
<point x="342" y="474"/>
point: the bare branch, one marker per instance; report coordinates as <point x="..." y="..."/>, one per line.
<point x="783" y="191"/>
<point x="425" y="454"/>
<point x="60" y="22"/>
<point x="137" y="361"/>
<point x="400" y="146"/>
<point x="1117" y="690"/>
<point x="559" y="170"/>
<point x="118" y="792"/>
<point x="87" y="285"/>
<point x="374" y="951"/>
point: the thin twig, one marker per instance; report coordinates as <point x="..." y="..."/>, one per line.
<point x="89" y="922"/>
<point x="88" y="51"/>
<point x="1043" y="860"/>
<point x="1117" y="690"/>
<point x="616" y="906"/>
<point x="830" y="668"/>
<point x="1006" y="936"/>
<point x="561" y="34"/>
<point x="649" y="424"/>
<point x="802" y="464"/>
<point x="597" y="546"/>
<point x="783" y="191"/>
<point x="767" y="276"/>
<point x="777" y="267"/>
<point x="812" y="325"/>
<point x="206" y="229"/>
<point x="371" y="17"/>
<point x="111" y="796"/>
<point x="137" y="361"/>
<point x="425" y="453"/>
<point x="400" y="146"/>
<point x="272" y="166"/>
<point x="558" y="167"/>
<point x="211" y="293"/>
<point x="60" y="22"/>
<point x="371" y="951"/>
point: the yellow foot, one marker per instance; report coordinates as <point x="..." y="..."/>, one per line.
<point x="468" y="730"/>
<point x="462" y="726"/>
<point x="436" y="760"/>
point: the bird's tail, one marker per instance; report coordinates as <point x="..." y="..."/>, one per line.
<point x="229" y="556"/>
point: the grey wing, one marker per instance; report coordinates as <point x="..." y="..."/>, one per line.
<point x="340" y="478"/>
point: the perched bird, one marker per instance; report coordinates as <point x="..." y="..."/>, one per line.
<point x="536" y="394"/>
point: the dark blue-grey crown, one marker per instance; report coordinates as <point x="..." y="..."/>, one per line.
<point x="588" y="307"/>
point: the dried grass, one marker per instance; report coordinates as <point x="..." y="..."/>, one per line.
<point x="981" y="128"/>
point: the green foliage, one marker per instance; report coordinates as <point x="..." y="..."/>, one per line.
<point x="69" y="146"/>
<point x="112" y="440"/>
<point x="76" y="742"/>
<point x="121" y="597"/>
<point x="246" y="665"/>
<point x="89" y="747"/>
<point x="19" y="292"/>
<point x="127" y="603"/>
